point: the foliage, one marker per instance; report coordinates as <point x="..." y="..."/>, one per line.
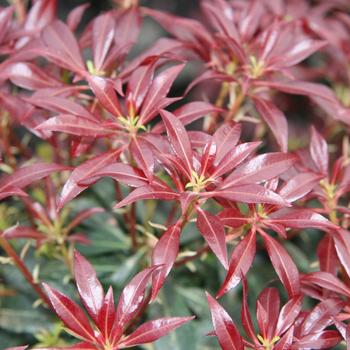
<point x="241" y="180"/>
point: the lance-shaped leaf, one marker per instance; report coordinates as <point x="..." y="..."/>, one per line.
<point x="62" y="47"/>
<point x="286" y="341"/>
<point x="143" y="155"/>
<point x="275" y="119"/>
<point x="260" y="168"/>
<point x="26" y="175"/>
<point x="164" y="254"/>
<point x="158" y="91"/>
<point x="79" y="346"/>
<point x="342" y="246"/>
<point x="5" y="21"/>
<point x="89" y="287"/>
<point x="321" y="316"/>
<point x="225" y="330"/>
<point x="326" y="280"/>
<point x="226" y="138"/>
<point x="299" y="186"/>
<point x="300" y="218"/>
<point x="179" y="139"/>
<point x="70" y="314"/>
<point x="267" y="311"/>
<point x="70" y="124"/>
<point x="74" y="17"/>
<point x="241" y="261"/>
<point x="320" y="340"/>
<point x="102" y="38"/>
<point x="327" y="255"/>
<point x="133" y="296"/>
<point x="12" y="191"/>
<point x="283" y="264"/>
<point x="118" y="171"/>
<point x="28" y="76"/>
<point x="319" y="151"/>
<point x="107" y="315"/>
<point x="213" y="232"/>
<point x="232" y="217"/>
<point x="104" y="90"/>
<point x="152" y="191"/>
<point x="19" y="231"/>
<point x="248" y="194"/>
<point x="153" y="330"/>
<point x="288" y="314"/>
<point x="72" y="186"/>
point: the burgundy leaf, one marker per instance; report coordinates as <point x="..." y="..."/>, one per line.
<point x="158" y="91"/>
<point x="107" y="315"/>
<point x="241" y="261"/>
<point x="288" y="314"/>
<point x="179" y="139"/>
<point x="321" y="340"/>
<point x="148" y="192"/>
<point x="72" y="188"/>
<point x="16" y="232"/>
<point x="286" y="341"/>
<point x="248" y="194"/>
<point x="153" y="330"/>
<point x="70" y="314"/>
<point x="225" y="330"/>
<point x="327" y="255"/>
<point x="232" y="217"/>
<point x="275" y="119"/>
<point x="73" y="125"/>
<point x="24" y="176"/>
<point x="74" y="17"/>
<point x="164" y="254"/>
<point x="213" y="232"/>
<point x="261" y="168"/>
<point x="319" y="151"/>
<point x="89" y="287"/>
<point x="298" y="186"/>
<point x="104" y="90"/>
<point x="328" y="281"/>
<point x="342" y="246"/>
<point x="283" y="264"/>
<point x="143" y="155"/>
<point x="133" y="297"/>
<point x="301" y="218"/>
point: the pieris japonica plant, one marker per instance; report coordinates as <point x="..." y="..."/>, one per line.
<point x="201" y="182"/>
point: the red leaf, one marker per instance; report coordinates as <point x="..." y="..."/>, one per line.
<point x="107" y="315"/>
<point x="226" y="138"/>
<point x="328" y="281"/>
<point x="153" y="330"/>
<point x="321" y="316"/>
<point x="89" y="287"/>
<point x="73" y="125"/>
<point x="158" y="91"/>
<point x="232" y="217"/>
<point x="24" y="176"/>
<point x="104" y="90"/>
<point x="267" y="311"/>
<point x="327" y="255"/>
<point x="70" y="314"/>
<point x="103" y="30"/>
<point x="283" y="264"/>
<point x="300" y="218"/>
<point x="342" y="246"/>
<point x="120" y="172"/>
<point x="288" y="314"/>
<point x="225" y="330"/>
<point x="298" y="186"/>
<point x="234" y="157"/>
<point x="143" y="155"/>
<point x="16" y="232"/>
<point x="62" y="47"/>
<point x="83" y="215"/>
<point x="148" y="192"/>
<point x="275" y="119"/>
<point x="319" y="151"/>
<point x="241" y="261"/>
<point x="321" y="340"/>
<point x="179" y="139"/>
<point x="213" y="232"/>
<point x="164" y="254"/>
<point x="74" y="17"/>
<point x="72" y="188"/>
<point x="133" y="297"/>
<point x="248" y="194"/>
<point x="261" y="168"/>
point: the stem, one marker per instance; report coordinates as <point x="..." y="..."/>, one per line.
<point x="132" y="226"/>
<point x="23" y="269"/>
